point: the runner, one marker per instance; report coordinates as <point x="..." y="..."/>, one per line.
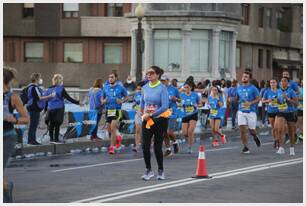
<point x="270" y="99"/>
<point x="248" y="97"/>
<point x="216" y="102"/>
<point x="233" y="105"/>
<point x="154" y="105"/>
<point x="287" y="100"/>
<point x="11" y="101"/>
<point x="138" y="120"/>
<point x="190" y="102"/>
<point x="173" y="98"/>
<point x="300" y="113"/>
<point x="95" y="94"/>
<point x="113" y="96"/>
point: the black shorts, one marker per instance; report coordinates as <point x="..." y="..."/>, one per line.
<point x="190" y="117"/>
<point x="272" y="115"/>
<point x="289" y="117"/>
<point x="117" y="116"/>
<point x="300" y="113"/>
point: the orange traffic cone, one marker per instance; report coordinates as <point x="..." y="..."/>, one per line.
<point x="201" y="168"/>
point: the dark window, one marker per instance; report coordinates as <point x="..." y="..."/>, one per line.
<point x="260" y="16"/>
<point x="268" y="59"/>
<point x="34" y="52"/>
<point x="245" y="13"/>
<point x="71" y="10"/>
<point x="114" y="9"/>
<point x="28" y="10"/>
<point x="260" y="58"/>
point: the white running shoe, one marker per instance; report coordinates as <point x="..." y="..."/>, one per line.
<point x="147" y="175"/>
<point x="292" y="153"/>
<point x="280" y="150"/>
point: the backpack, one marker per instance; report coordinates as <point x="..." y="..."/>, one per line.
<point x="24" y="95"/>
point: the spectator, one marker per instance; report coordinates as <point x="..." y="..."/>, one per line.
<point x="11" y="101"/>
<point x="233" y="105"/>
<point x="129" y="84"/>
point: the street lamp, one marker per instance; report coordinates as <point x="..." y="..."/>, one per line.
<point x="139" y="12"/>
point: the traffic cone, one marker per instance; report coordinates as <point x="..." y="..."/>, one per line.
<point x="201" y="167"/>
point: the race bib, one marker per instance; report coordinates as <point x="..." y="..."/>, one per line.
<point x="213" y="112"/>
<point x="274" y="103"/>
<point x="189" y="109"/>
<point x="137" y="107"/>
<point x="111" y="113"/>
<point x="283" y="107"/>
<point x="300" y="107"/>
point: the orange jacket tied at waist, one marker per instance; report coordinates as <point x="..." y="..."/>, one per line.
<point x="166" y="114"/>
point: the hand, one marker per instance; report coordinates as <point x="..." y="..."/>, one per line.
<point x="173" y="98"/>
<point x="119" y="101"/>
<point x="10" y="118"/>
<point x="247" y="104"/>
<point x="145" y="116"/>
<point x="104" y="101"/>
<point x="81" y="104"/>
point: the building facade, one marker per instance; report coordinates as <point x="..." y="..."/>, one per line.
<point x="209" y="41"/>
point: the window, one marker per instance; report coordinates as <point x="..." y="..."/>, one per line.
<point x="199" y="54"/>
<point x="279" y="18"/>
<point x="167" y="49"/>
<point x="269" y="16"/>
<point x="245" y="13"/>
<point x="268" y="59"/>
<point x="224" y="50"/>
<point x="114" y="9"/>
<point x="73" y="52"/>
<point x="34" y="52"/>
<point x="71" y="10"/>
<point x="260" y="16"/>
<point x="112" y="53"/>
<point x="28" y="10"/>
<point x="260" y="58"/>
<point x="238" y="58"/>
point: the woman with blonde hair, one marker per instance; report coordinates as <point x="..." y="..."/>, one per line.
<point x="56" y="106"/>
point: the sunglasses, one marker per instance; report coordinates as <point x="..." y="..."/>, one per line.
<point x="150" y="73"/>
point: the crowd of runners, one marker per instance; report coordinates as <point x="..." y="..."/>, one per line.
<point x="159" y="103"/>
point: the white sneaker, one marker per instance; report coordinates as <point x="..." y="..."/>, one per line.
<point x="292" y="153"/>
<point x="147" y="175"/>
<point x="280" y="150"/>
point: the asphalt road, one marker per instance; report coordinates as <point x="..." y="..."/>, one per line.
<point x="258" y="177"/>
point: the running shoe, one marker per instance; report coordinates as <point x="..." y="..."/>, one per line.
<point x="300" y="136"/>
<point x="118" y="141"/>
<point x="280" y="151"/>
<point x="168" y="153"/>
<point x="257" y="141"/>
<point x="147" y="175"/>
<point x="161" y="175"/>
<point x="223" y="139"/>
<point x="245" y="150"/>
<point x="111" y="150"/>
<point x="291" y="149"/>
<point x="175" y="148"/>
<point x="136" y="149"/>
<point x="276" y="144"/>
<point x="215" y="143"/>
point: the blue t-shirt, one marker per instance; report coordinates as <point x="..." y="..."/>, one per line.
<point x="190" y="103"/>
<point x="294" y="86"/>
<point x="137" y="99"/>
<point x="284" y="106"/>
<point x="95" y="95"/>
<point x="173" y="91"/>
<point x="215" y="109"/>
<point x="272" y="106"/>
<point x="154" y="100"/>
<point x="232" y="92"/>
<point x="112" y="93"/>
<point x="247" y="93"/>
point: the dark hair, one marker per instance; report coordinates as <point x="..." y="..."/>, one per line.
<point x="262" y="83"/>
<point x="248" y="73"/>
<point x="141" y="84"/>
<point x="285" y="70"/>
<point x="35" y="77"/>
<point x="114" y="72"/>
<point x="157" y="70"/>
<point x="285" y="78"/>
<point x="191" y="83"/>
<point x="98" y="83"/>
<point x="255" y="83"/>
<point x="8" y="74"/>
<point x="228" y="83"/>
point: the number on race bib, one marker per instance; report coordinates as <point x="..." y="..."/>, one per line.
<point x="189" y="109"/>
<point x="111" y="113"/>
<point x="283" y="107"/>
<point x="213" y="112"/>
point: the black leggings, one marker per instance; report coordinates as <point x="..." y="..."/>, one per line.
<point x="54" y="129"/>
<point x="159" y="130"/>
<point x="55" y="119"/>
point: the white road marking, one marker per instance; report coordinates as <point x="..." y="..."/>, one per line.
<point x="97" y="165"/>
<point x="132" y="160"/>
<point x="186" y="181"/>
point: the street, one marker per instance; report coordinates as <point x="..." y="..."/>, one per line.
<point x="261" y="176"/>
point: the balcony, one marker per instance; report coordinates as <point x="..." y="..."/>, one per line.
<point x="105" y="26"/>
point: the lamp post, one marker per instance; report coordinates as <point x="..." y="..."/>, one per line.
<point x="139" y="12"/>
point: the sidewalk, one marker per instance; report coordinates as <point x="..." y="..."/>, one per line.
<point x="85" y="144"/>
